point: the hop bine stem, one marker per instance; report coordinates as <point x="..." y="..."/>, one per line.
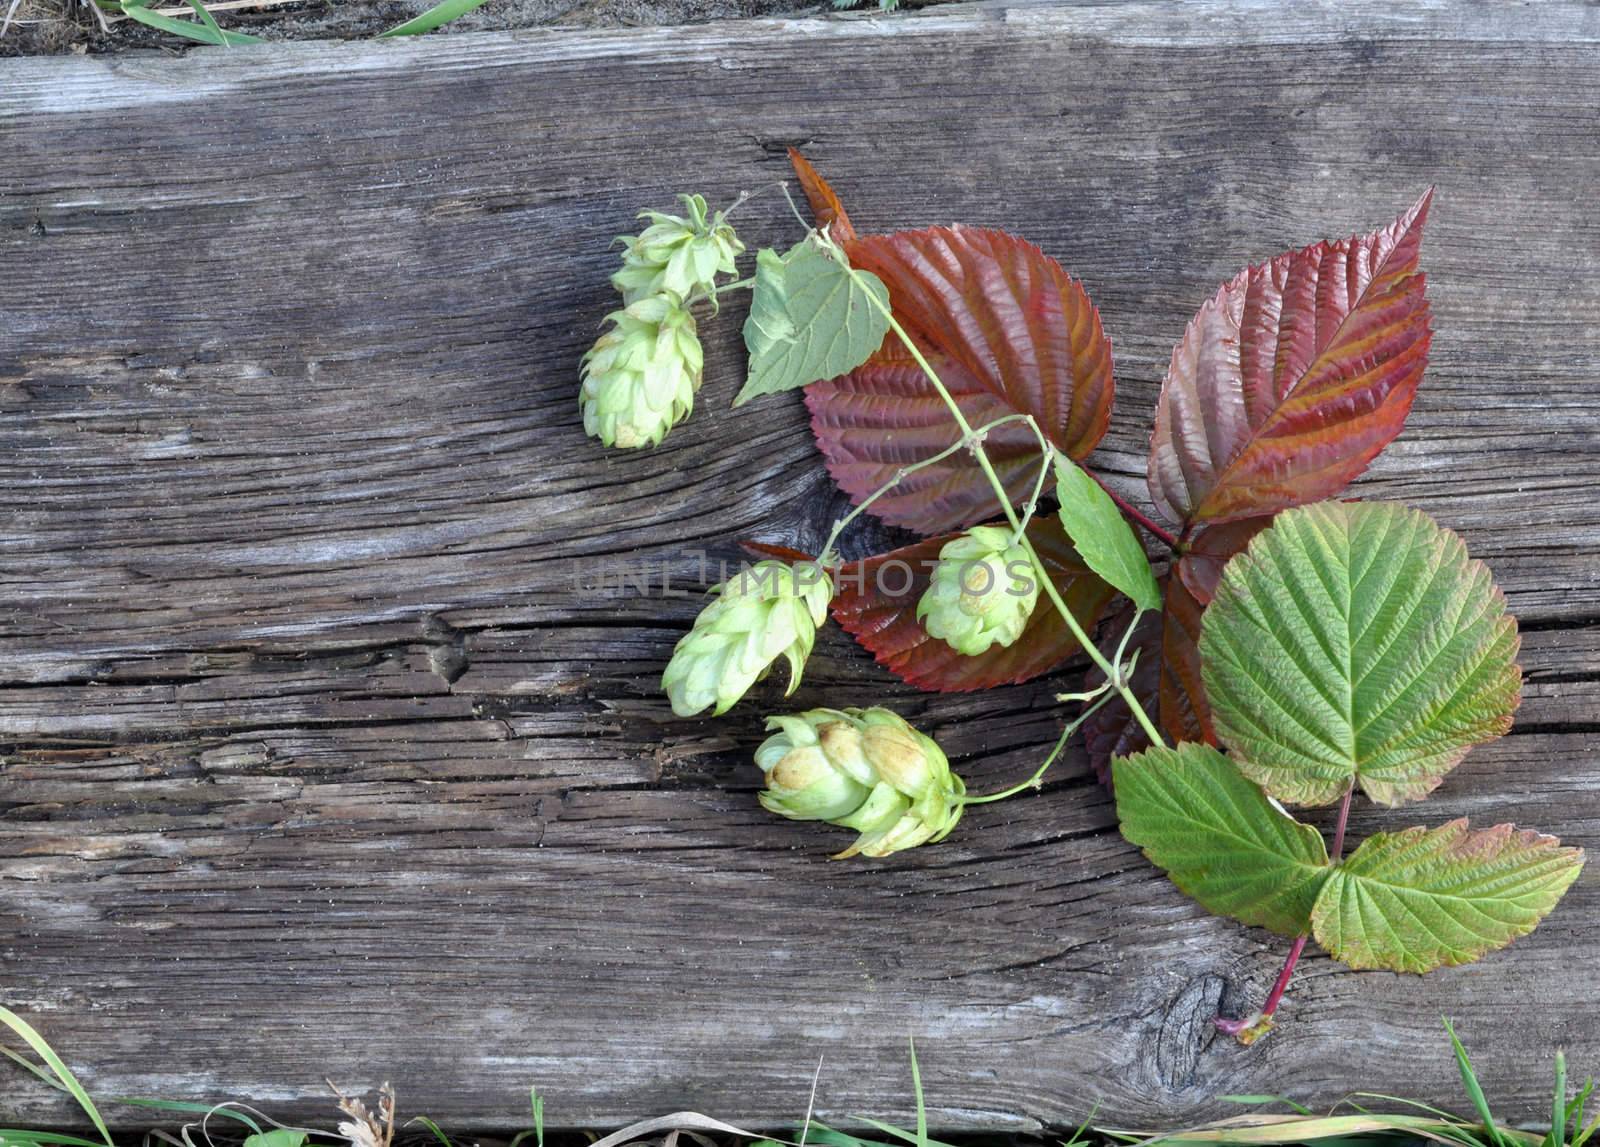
<point x="1061" y="743"/>
<point x="1046" y="459"/>
<point x="1048" y="584"/>
<point x="900" y="475"/>
<point x="740" y="285"/>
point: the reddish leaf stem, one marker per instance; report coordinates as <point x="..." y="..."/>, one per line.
<point x="1275" y="997"/>
<point x="1337" y="852"/>
<point x="1255" y="1026"/>
<point x="1165" y="535"/>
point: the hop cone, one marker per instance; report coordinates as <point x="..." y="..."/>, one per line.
<point x="677" y="253"/>
<point x="864" y="769"/>
<point x="768" y="611"/>
<point x="978" y="595"/>
<point x="640" y="377"/>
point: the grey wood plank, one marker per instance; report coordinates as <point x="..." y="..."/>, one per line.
<point x="315" y="761"/>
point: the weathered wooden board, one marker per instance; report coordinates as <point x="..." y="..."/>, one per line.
<point x="319" y="761"/>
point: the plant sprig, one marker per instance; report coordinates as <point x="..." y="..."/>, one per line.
<point x="1332" y="648"/>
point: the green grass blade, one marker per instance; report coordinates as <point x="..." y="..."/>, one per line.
<point x="916" y="1089"/>
<point x="209" y="20"/>
<point x="439" y="14"/>
<point x="438" y="1133"/>
<point x="1575" y="1111"/>
<point x="7" y="1138"/>
<point x="12" y="1137"/>
<point x="139" y="10"/>
<point x="1412" y="1103"/>
<point x="27" y="1064"/>
<point x="819" y="1134"/>
<point x="1558" y="1110"/>
<point x="1263" y="1100"/>
<point x="1080" y="1136"/>
<point x="180" y="1108"/>
<point x="1469" y="1081"/>
<point x="69" y="1082"/>
<point x="1583" y="1136"/>
<point x="899" y="1133"/>
<point x="171" y="1105"/>
<point x="1463" y="1135"/>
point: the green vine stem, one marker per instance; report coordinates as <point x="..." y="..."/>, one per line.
<point x="900" y="475"/>
<point x="828" y="559"/>
<point x="714" y="294"/>
<point x="1033" y="782"/>
<point x="1113" y="673"/>
<point x="1046" y="461"/>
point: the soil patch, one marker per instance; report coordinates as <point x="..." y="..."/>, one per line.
<point x="46" y="27"/>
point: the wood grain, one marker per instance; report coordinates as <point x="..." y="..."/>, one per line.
<point x="329" y="752"/>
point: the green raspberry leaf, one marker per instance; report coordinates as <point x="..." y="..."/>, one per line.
<point x="1102" y="537"/>
<point x="1424" y="898"/>
<point x="1219" y="838"/>
<point x="1357" y="643"/>
<point x="810" y="319"/>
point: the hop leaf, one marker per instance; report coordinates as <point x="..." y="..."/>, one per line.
<point x="810" y="319"/>
<point x="1357" y="643"/>
<point x="865" y="769"/>
<point x="1102" y="536"/>
<point x="1408" y="901"/>
<point x="982" y="592"/>
<point x="768" y="611"/>
<point x="640" y="377"/>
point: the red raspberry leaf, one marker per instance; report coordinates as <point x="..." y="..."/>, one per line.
<point x="1293" y="377"/>
<point x="1008" y="331"/>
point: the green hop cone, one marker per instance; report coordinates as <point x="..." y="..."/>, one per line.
<point x="864" y="769"/>
<point x="640" y="377"/>
<point x="676" y="253"/>
<point x="978" y="594"/>
<point x="768" y="611"/>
